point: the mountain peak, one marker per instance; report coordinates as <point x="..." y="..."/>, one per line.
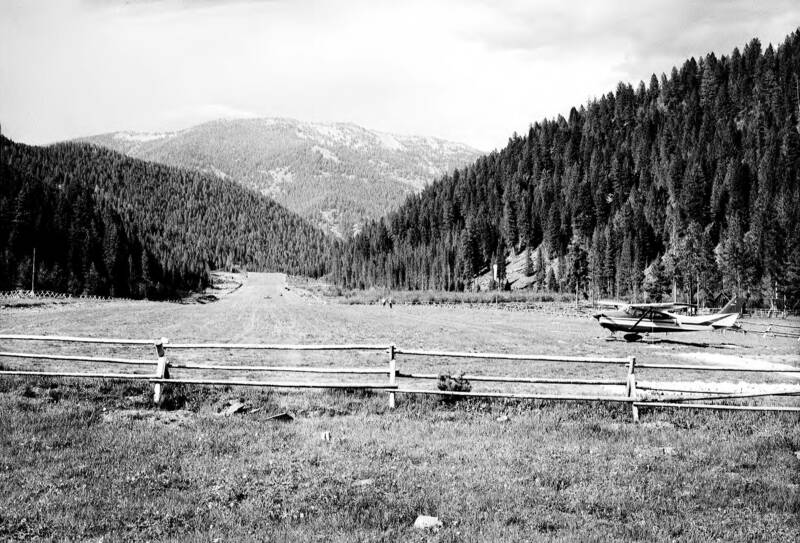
<point x="338" y="174"/>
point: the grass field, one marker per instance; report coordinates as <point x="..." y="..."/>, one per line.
<point x="83" y="460"/>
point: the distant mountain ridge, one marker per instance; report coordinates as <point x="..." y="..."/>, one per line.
<point x="336" y="174"/>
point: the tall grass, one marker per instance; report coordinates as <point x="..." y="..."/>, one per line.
<point x="426" y="297"/>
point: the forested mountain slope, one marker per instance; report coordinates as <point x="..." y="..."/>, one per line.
<point x="691" y="177"/>
<point x="104" y="223"/>
<point x="337" y="175"/>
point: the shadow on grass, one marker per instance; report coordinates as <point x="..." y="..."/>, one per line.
<point x="702" y="345"/>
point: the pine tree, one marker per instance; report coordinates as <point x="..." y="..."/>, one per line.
<point x="656" y="283"/>
<point x="791" y="285"/>
<point x="577" y="267"/>
<point x="550" y="281"/>
<point x="510" y="231"/>
<point x="500" y="262"/>
<point x="529" y="266"/>
<point x="540" y="269"/>
<point x="470" y="256"/>
<point x="731" y="258"/>
<point x="625" y="276"/>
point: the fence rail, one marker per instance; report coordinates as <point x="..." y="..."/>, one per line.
<point x="278" y="347"/>
<point x="770" y="329"/>
<point x="72" y="339"/>
<point x="508" y="356"/>
<point x="697" y="367"/>
<point x="79" y="374"/>
<point x="630" y="392"/>
<point x="38" y="356"/>
<point x="721" y="407"/>
<point x="527" y="380"/>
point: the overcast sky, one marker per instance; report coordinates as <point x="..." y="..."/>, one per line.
<point x="472" y="71"/>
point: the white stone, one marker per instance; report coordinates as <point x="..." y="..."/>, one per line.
<point x="425" y="522"/>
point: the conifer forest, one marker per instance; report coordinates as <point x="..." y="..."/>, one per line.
<point x="106" y="224"/>
<point x="690" y="181"/>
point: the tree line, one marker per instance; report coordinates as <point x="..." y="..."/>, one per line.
<point x="102" y="223"/>
<point x="686" y="186"/>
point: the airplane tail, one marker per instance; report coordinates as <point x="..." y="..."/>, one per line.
<point x="736" y="305"/>
<point x="730" y="313"/>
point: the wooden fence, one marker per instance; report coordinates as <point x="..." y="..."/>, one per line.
<point x="770" y="329"/>
<point x="772" y="313"/>
<point x="27" y="294"/>
<point x="688" y="397"/>
<point x="624" y="385"/>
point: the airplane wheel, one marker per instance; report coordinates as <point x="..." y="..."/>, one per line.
<point x="632" y="337"/>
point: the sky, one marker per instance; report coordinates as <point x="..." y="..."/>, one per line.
<point x="472" y="71"/>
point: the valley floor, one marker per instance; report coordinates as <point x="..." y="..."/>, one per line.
<point x="83" y="461"/>
<point x="267" y="310"/>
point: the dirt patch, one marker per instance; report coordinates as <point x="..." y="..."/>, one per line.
<point x="223" y="284"/>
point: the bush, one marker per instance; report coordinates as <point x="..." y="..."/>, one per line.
<point x="449" y="383"/>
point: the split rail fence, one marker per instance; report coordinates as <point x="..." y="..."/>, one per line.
<point x="770" y="329"/>
<point x="28" y="294"/>
<point x="625" y="386"/>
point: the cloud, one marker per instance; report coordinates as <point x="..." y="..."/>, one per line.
<point x="466" y="70"/>
<point x="651" y="36"/>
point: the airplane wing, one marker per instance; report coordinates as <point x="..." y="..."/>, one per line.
<point x="664" y="306"/>
<point x="612" y="303"/>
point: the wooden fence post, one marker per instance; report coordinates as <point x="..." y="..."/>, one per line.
<point x="631" y="387"/>
<point x="392" y="374"/>
<point x="162" y="371"/>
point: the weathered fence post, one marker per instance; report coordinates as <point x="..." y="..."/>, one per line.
<point x="162" y="371"/>
<point x="631" y="387"/>
<point x="392" y="374"/>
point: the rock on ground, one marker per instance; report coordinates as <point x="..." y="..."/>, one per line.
<point x="425" y="522"/>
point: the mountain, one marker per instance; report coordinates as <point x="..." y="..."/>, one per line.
<point x="104" y="223"/>
<point x="689" y="184"/>
<point x="337" y="175"/>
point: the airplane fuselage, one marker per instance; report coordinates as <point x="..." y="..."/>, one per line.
<point x="627" y="321"/>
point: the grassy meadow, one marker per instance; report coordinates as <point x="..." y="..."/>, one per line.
<point x="83" y="462"/>
<point x="90" y="460"/>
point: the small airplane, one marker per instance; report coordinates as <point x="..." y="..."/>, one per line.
<point x="638" y="319"/>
